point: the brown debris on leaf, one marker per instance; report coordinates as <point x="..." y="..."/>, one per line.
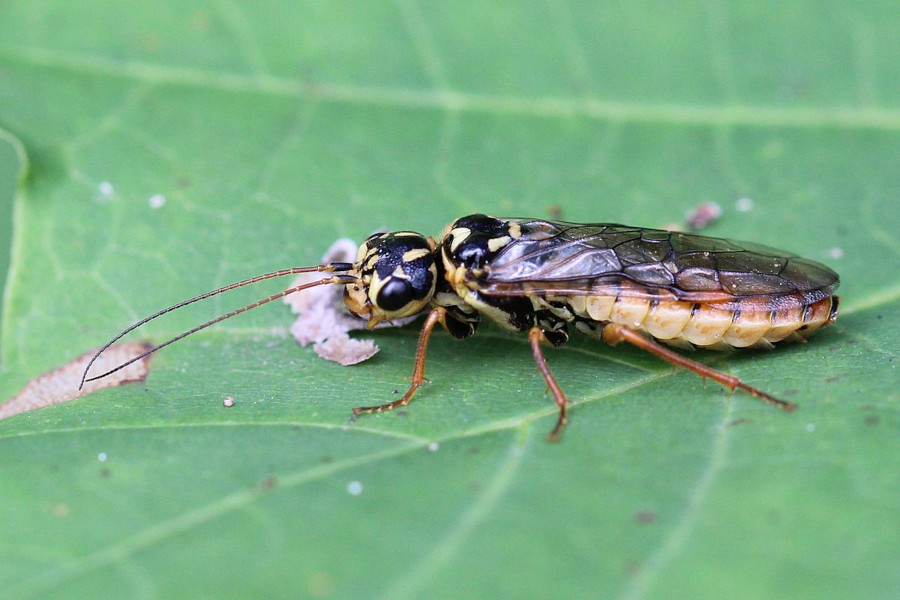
<point x="61" y="384"/>
<point x="697" y="218"/>
<point x="702" y="215"/>
<point x="323" y="319"/>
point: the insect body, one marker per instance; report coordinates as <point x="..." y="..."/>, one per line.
<point x="618" y="283"/>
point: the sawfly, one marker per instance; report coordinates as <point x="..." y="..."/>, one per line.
<point x="544" y="278"/>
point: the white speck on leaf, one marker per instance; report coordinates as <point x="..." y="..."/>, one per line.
<point x="744" y="204"/>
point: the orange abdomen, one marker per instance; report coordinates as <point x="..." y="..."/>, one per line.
<point x="754" y="323"/>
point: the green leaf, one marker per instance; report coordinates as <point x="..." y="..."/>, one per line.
<point x="12" y="171"/>
<point x="271" y="130"/>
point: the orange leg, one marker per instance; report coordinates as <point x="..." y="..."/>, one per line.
<point x="437" y="315"/>
<point x="535" y="335"/>
<point x="614" y="333"/>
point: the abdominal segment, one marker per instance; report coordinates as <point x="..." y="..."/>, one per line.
<point x="753" y="324"/>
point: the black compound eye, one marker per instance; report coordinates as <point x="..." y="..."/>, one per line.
<point x="395" y="294"/>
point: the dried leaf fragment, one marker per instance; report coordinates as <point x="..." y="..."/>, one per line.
<point x="61" y="384"/>
<point x="345" y="351"/>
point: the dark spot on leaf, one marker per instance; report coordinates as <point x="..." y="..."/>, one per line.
<point x="268" y="483"/>
<point x="632" y="567"/>
<point x="645" y="516"/>
<point x="872" y="420"/>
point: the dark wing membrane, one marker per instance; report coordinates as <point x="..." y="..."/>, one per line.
<point x="608" y="259"/>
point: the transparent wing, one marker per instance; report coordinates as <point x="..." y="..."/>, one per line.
<point x="608" y="259"/>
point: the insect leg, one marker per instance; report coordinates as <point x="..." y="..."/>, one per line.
<point x="437" y="315"/>
<point x="535" y="335"/>
<point x="613" y="333"/>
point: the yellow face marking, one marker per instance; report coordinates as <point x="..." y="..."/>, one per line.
<point x="356" y="300"/>
<point x="411" y="255"/>
<point x="375" y="283"/>
<point x="361" y="254"/>
<point x="367" y="253"/>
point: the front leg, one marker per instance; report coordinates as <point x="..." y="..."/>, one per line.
<point x="437" y="315"/>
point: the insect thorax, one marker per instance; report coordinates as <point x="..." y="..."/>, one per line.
<point x="466" y="249"/>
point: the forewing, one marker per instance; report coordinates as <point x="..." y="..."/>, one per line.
<point x="609" y="259"/>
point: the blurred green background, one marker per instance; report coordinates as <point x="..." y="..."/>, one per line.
<point x="178" y="146"/>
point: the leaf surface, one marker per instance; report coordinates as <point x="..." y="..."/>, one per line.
<point x="175" y="148"/>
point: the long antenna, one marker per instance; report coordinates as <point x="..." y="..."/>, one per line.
<point x="332" y="267"/>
